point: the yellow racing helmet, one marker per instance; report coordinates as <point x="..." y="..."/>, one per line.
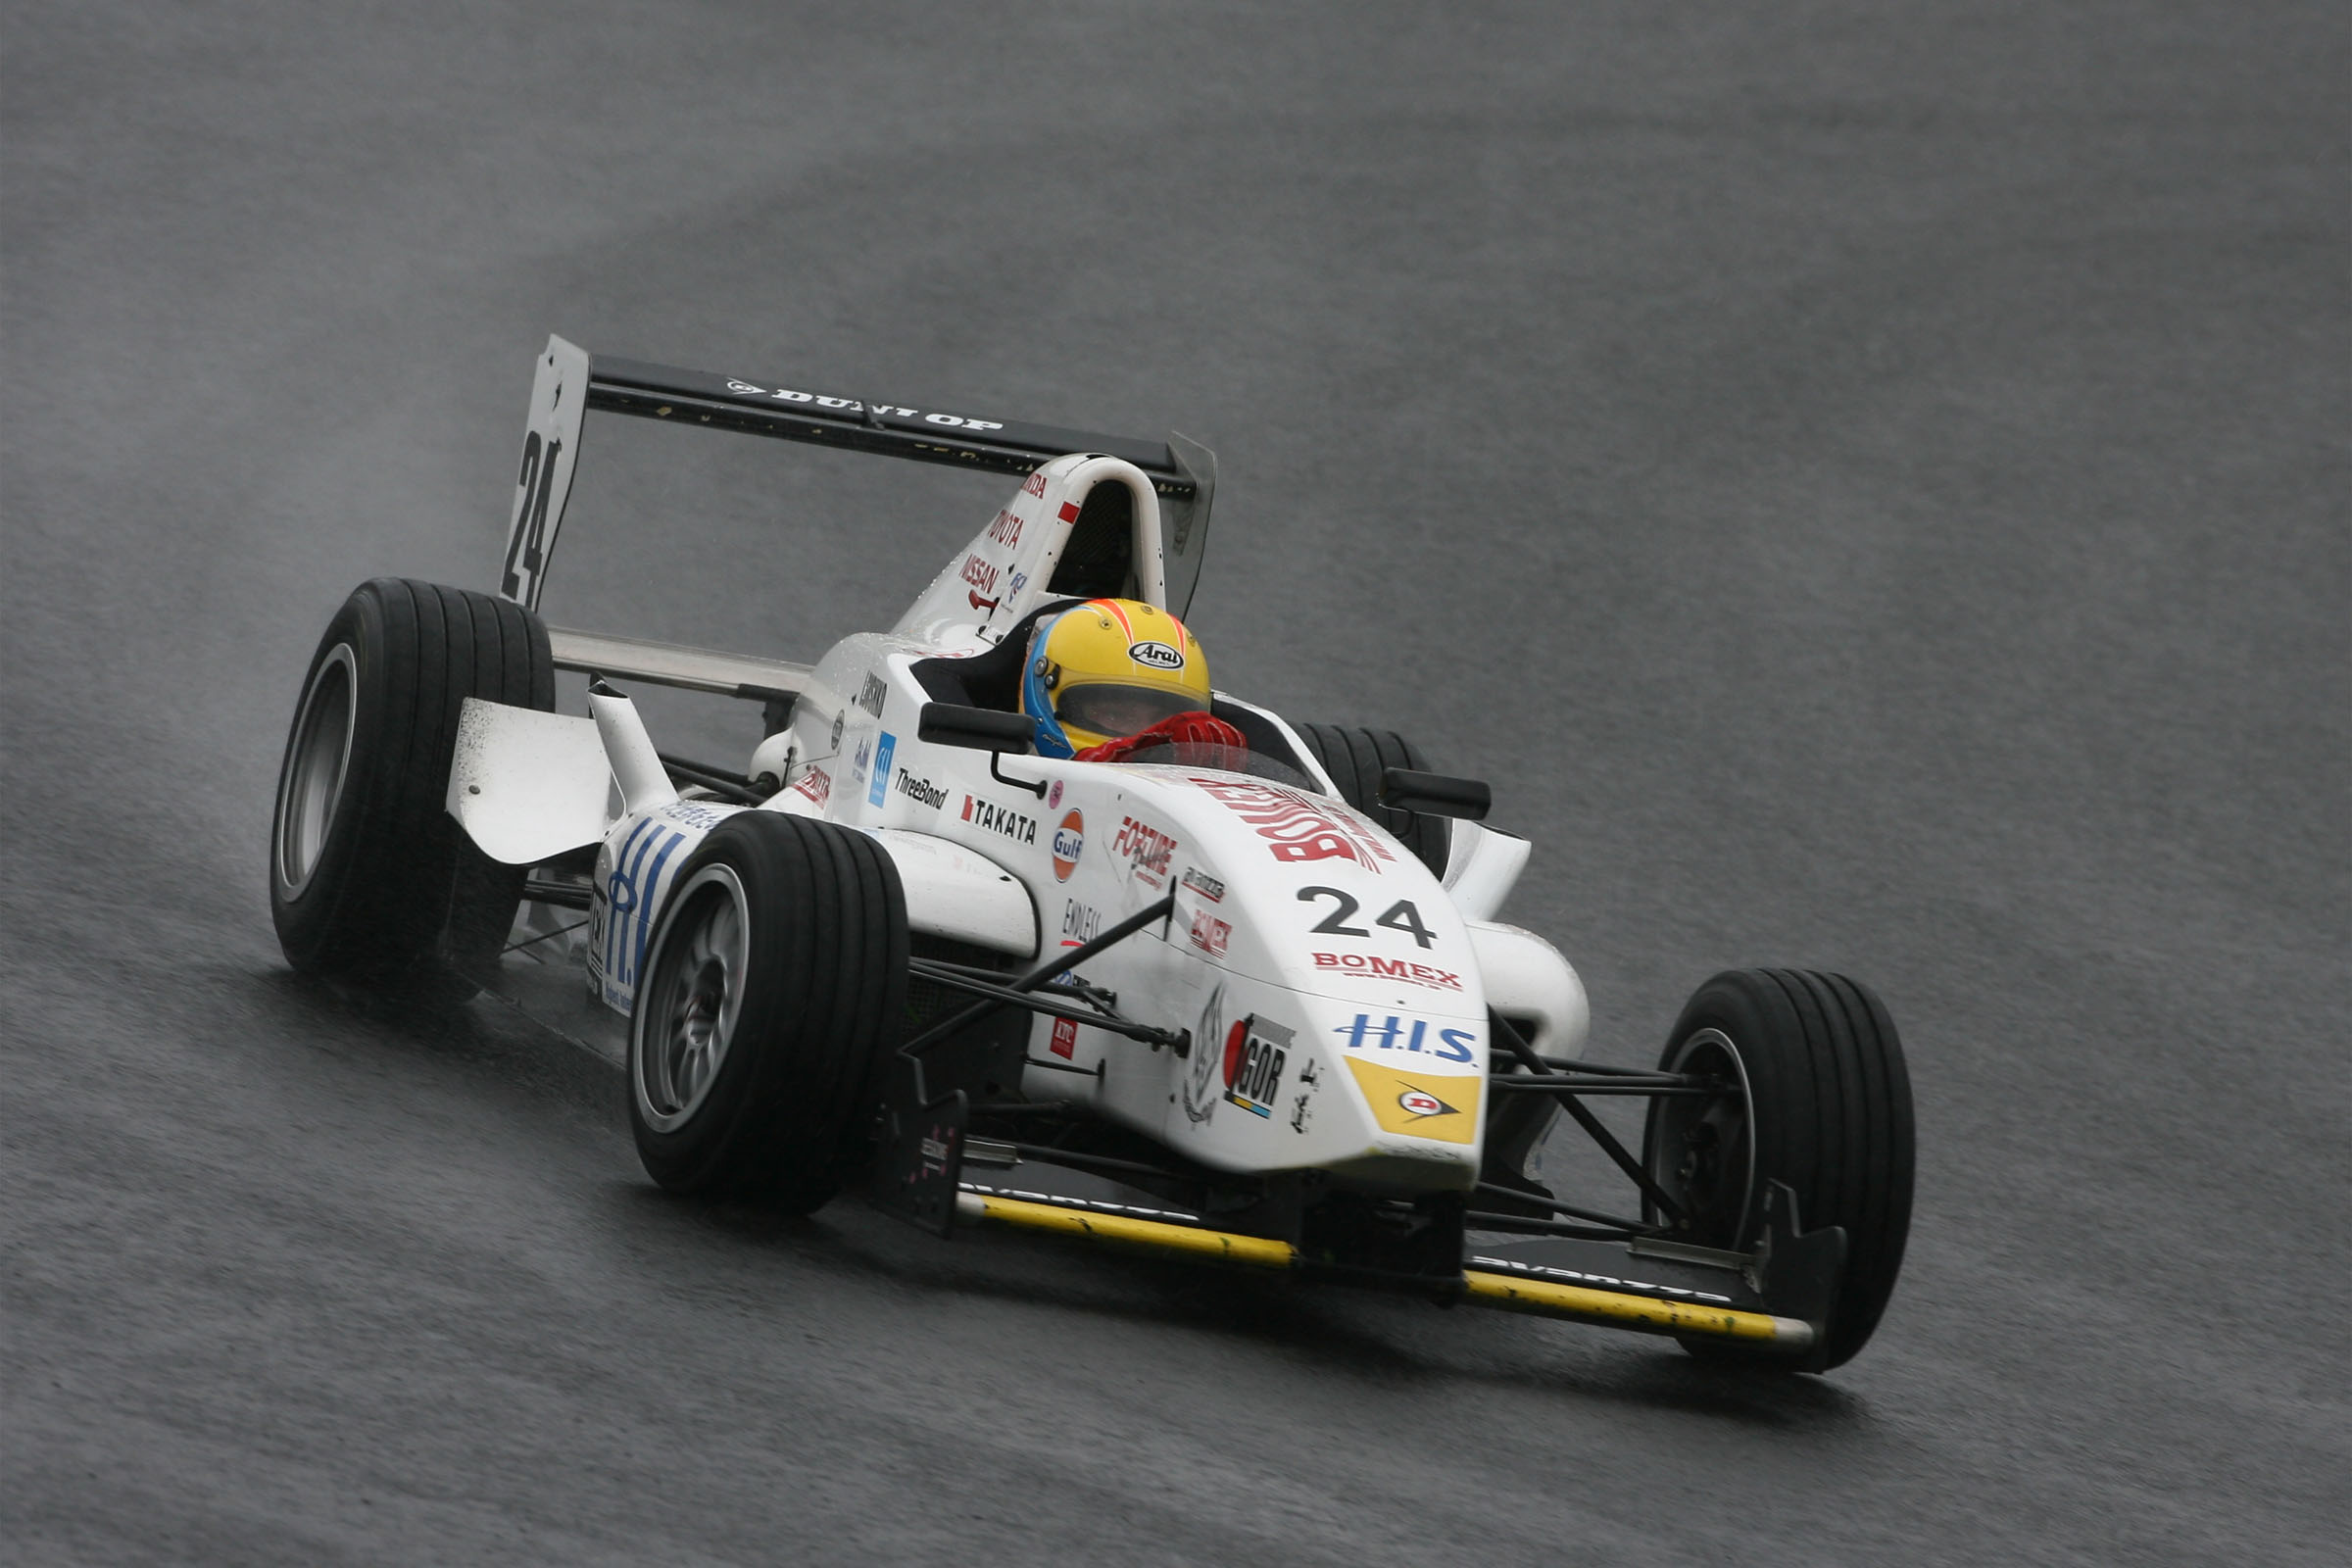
<point x="1108" y="668"/>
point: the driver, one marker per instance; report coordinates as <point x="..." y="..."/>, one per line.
<point x="1111" y="677"/>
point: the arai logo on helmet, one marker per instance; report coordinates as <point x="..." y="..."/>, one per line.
<point x="1069" y="842"/>
<point x="1155" y="655"/>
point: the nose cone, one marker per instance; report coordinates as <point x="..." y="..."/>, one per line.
<point x="1386" y="1100"/>
<point x="1419" y="1077"/>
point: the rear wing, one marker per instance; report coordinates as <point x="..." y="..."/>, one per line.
<point x="570" y="382"/>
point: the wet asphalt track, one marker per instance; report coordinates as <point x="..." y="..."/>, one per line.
<point x="1869" y="492"/>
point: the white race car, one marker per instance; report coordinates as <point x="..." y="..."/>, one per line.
<point x="1249" y="1002"/>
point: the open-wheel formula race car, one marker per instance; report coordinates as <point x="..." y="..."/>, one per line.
<point x="1247" y="1002"/>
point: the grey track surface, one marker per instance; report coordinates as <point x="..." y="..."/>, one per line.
<point x="1866" y="484"/>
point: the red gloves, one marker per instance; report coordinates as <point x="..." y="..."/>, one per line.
<point x="1193" y="728"/>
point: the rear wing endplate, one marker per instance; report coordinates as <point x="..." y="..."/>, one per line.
<point x="568" y="383"/>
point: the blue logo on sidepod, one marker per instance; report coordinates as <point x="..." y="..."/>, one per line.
<point x="881" y="789"/>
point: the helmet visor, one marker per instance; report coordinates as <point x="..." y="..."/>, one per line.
<point x="1117" y="710"/>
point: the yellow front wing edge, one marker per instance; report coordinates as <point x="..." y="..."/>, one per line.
<point x="1579" y="1303"/>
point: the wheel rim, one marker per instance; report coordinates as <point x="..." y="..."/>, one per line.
<point x="311" y="785"/>
<point x="1703" y="1151"/>
<point x="686" y="1019"/>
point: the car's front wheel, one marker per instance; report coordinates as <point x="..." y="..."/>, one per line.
<point x="1817" y="1097"/>
<point x="774" y="989"/>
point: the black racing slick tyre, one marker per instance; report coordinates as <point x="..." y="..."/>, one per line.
<point x="773" y="993"/>
<point x="1355" y="758"/>
<point x="370" y="880"/>
<point x="1825" y="1107"/>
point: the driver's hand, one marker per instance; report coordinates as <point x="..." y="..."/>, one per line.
<point x="1193" y="728"/>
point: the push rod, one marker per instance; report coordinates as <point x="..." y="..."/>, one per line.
<point x="1150" y="915"/>
<point x="1583" y="1117"/>
<point x="715" y="780"/>
<point x="1566" y="1064"/>
<point x="1037" y="1004"/>
<point x="1528" y="1083"/>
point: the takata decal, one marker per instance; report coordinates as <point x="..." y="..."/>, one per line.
<point x="1254" y="1053"/>
<point x="882" y="750"/>
<point x="1069" y="843"/>
<point x="1365" y="967"/>
<point x="1003" y="821"/>
<point x="816" y="784"/>
<point x="922" y="791"/>
<point x="1146" y="850"/>
<point x="1209" y="933"/>
<point x="873" y="694"/>
<point x="1298" y="827"/>
<point x="1081" y="924"/>
<point x="1391" y="1033"/>
<point x="628" y="894"/>
<point x="1155" y="655"/>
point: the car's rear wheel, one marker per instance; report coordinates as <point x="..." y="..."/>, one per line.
<point x="1821" y="1102"/>
<point x="1356" y="757"/>
<point x="774" y="991"/>
<point x="370" y="880"/>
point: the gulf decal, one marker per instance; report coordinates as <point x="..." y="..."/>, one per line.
<point x="1442" y="1109"/>
<point x="1298" y="827"/>
<point x="1069" y="843"/>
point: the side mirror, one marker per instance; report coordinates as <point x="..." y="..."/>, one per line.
<point x="1406" y="789"/>
<point x="979" y="729"/>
